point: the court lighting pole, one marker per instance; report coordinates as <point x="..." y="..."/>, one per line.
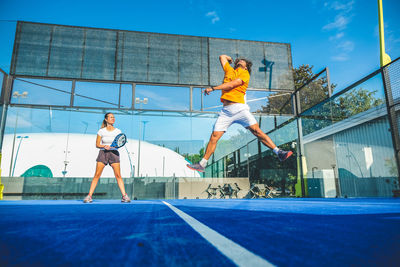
<point x="17" y="95"/>
<point x="16" y="155"/>
<point x="144" y="128"/>
<point x="140" y="102"/>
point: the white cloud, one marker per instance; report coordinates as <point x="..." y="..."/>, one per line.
<point x="340" y="6"/>
<point x="343" y="14"/>
<point x="340" y="23"/>
<point x="341" y="57"/>
<point x="342" y="11"/>
<point x="213" y="15"/>
<point x="346" y="46"/>
<point x="163" y="101"/>
<point x="337" y="36"/>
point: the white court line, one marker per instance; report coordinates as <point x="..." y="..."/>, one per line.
<point x="236" y="253"/>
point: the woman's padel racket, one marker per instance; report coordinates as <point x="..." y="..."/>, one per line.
<point x="119" y="141"/>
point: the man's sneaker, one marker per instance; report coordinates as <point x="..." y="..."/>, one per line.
<point x="283" y="155"/>
<point x="125" y="199"/>
<point x="88" y="199"/>
<point x="195" y="167"/>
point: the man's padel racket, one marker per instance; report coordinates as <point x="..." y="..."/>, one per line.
<point x="119" y="141"/>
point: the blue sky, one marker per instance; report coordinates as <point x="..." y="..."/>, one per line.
<point x="342" y="35"/>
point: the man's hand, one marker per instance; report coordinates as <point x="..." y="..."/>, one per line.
<point x="223" y="59"/>
<point x="207" y="91"/>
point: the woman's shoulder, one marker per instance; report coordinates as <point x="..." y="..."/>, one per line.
<point x="101" y="131"/>
<point x="116" y="131"/>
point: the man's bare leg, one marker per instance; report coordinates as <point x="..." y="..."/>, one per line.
<point x="212" y="144"/>
<point x="266" y="140"/>
<point x="263" y="137"/>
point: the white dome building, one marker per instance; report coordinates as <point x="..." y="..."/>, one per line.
<point x="74" y="155"/>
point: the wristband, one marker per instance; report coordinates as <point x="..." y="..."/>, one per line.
<point x="212" y="87"/>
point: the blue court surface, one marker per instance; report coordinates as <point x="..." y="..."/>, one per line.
<point x="268" y="232"/>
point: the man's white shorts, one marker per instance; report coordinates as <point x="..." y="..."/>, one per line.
<point x="234" y="113"/>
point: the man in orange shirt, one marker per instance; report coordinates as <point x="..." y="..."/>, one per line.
<point x="235" y="110"/>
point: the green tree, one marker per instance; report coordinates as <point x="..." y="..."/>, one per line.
<point x="355" y="101"/>
<point x="311" y="94"/>
<point x="194" y="157"/>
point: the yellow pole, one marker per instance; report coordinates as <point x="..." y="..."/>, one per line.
<point x="385" y="59"/>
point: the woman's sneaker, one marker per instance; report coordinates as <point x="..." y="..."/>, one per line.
<point x="88" y="199"/>
<point x="125" y="199"/>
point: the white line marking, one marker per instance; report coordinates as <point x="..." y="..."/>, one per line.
<point x="236" y="253"/>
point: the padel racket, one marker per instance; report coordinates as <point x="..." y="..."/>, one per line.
<point x="119" y="141"/>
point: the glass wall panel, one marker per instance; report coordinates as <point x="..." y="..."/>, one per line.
<point x="42" y="92"/>
<point x="257" y="100"/>
<point x="279" y="103"/>
<point x="282" y="119"/>
<point x="267" y="123"/>
<point x="253" y="149"/>
<point x="354" y="104"/>
<point x="211" y="102"/>
<point x="88" y="94"/>
<point x="314" y="92"/>
<point x="163" y="97"/>
<point x="231" y="165"/>
<point x="283" y="135"/>
<point x="126" y="96"/>
<point x="66" y="139"/>
<point x="348" y="145"/>
<point x="32" y="138"/>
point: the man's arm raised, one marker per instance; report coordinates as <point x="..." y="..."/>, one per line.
<point x="225" y="86"/>
<point x="223" y="59"/>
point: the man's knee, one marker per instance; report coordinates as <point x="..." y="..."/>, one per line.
<point x="215" y="136"/>
<point x="256" y="131"/>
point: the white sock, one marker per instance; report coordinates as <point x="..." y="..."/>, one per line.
<point x="203" y="162"/>
<point x="276" y="150"/>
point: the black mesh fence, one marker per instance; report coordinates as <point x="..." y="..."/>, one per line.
<point x="59" y="51"/>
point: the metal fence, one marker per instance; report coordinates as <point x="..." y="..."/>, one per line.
<point x="347" y="144"/>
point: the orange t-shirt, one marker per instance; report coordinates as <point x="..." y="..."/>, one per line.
<point x="236" y="94"/>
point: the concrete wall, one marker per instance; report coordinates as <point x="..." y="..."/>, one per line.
<point x="17" y="188"/>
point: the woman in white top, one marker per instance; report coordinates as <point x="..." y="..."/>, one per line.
<point x="105" y="137"/>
